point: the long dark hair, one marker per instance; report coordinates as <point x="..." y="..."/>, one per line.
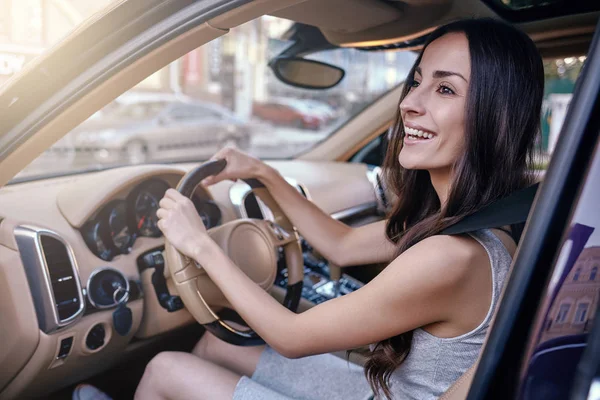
<point x="502" y="117"/>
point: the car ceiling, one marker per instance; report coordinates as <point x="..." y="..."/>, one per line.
<point x="368" y="23"/>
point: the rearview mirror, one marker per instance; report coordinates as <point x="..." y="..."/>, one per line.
<point x="306" y="74"/>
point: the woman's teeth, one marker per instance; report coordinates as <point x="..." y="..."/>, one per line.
<point x="417" y="134"/>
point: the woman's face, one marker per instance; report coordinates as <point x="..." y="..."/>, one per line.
<point x="433" y="112"/>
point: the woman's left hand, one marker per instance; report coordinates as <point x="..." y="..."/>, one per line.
<point x="180" y="223"/>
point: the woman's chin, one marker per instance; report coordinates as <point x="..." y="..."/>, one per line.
<point x="411" y="163"/>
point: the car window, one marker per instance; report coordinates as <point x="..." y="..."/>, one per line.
<point x="561" y="75"/>
<point x="261" y="115"/>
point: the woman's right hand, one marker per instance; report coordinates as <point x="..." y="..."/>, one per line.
<point x="239" y="166"/>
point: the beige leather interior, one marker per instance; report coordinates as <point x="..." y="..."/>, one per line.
<point x="19" y="326"/>
<point x="353" y="23"/>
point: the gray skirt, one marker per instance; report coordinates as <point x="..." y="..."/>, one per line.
<point x="323" y="376"/>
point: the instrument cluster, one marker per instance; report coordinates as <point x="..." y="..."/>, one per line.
<point x="119" y="223"/>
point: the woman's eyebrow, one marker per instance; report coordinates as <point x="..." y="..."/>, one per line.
<point x="442" y="74"/>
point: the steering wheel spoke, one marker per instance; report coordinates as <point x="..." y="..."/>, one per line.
<point x="280" y="236"/>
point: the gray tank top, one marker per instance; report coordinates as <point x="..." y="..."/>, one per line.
<point x="435" y="363"/>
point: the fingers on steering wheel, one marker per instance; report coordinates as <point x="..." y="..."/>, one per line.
<point x="173" y="194"/>
<point x="207" y="181"/>
<point x="161" y="213"/>
<point x="160" y="224"/>
<point x="166" y="203"/>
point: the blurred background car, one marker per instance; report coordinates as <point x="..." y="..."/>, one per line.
<point x="292" y="112"/>
<point x="136" y="128"/>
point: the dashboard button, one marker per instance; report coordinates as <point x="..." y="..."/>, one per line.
<point x="65" y="347"/>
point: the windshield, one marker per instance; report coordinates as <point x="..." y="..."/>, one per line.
<point x="224" y="94"/>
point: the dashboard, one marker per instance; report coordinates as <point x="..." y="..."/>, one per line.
<point x="68" y="243"/>
<point x="117" y="225"/>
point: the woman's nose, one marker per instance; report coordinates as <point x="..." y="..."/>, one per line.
<point x="413" y="103"/>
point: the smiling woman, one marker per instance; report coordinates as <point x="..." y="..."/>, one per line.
<point x="430" y="325"/>
<point x="419" y="315"/>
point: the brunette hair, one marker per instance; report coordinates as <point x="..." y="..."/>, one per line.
<point x="502" y="115"/>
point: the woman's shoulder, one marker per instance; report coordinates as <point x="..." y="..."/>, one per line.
<point x="460" y="248"/>
<point x="451" y="257"/>
<point x="434" y="273"/>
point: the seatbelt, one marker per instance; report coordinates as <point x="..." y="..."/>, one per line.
<point x="510" y="210"/>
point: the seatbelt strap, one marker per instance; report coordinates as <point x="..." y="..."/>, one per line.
<point x="510" y="210"/>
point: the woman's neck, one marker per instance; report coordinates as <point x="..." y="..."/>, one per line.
<point x="440" y="180"/>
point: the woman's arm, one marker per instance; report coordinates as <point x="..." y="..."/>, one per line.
<point x="431" y="282"/>
<point x="337" y="242"/>
<point x="419" y="288"/>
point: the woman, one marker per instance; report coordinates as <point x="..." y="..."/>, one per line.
<point x="464" y="135"/>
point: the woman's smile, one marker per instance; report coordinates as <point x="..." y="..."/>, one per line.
<point x="416" y="134"/>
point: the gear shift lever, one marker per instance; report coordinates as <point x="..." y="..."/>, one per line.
<point x="335" y="273"/>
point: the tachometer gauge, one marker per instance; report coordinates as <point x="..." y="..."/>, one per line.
<point x="145" y="207"/>
<point x="118" y="229"/>
<point x="143" y="204"/>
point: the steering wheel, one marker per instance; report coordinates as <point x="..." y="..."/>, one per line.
<point x="253" y="246"/>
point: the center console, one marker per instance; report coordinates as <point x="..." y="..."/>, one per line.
<point x="318" y="287"/>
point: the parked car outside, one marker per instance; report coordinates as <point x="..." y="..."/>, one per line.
<point x="141" y="127"/>
<point x="323" y="108"/>
<point x="289" y="112"/>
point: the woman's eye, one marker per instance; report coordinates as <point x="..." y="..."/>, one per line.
<point x="413" y="83"/>
<point x="443" y="89"/>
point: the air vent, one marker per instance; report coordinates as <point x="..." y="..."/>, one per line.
<point x="52" y="275"/>
<point x="62" y="278"/>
